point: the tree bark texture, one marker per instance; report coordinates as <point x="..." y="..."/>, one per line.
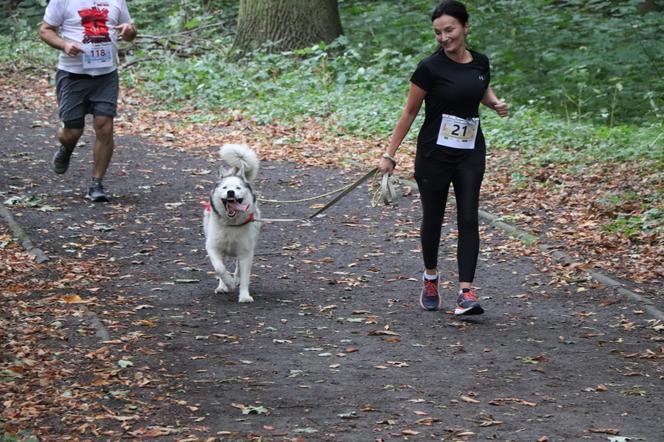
<point x="651" y="5"/>
<point x="11" y="5"/>
<point x="287" y="24"/>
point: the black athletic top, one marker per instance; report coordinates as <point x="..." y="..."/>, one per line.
<point x="455" y="89"/>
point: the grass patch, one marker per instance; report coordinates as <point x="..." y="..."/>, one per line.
<point x="582" y="78"/>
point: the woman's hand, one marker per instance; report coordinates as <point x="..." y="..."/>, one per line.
<point x="501" y="108"/>
<point x="491" y="101"/>
<point x="386" y="165"/>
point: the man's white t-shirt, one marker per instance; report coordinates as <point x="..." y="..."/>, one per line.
<point x="90" y="23"/>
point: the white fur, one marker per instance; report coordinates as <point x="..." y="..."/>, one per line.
<point x="227" y="234"/>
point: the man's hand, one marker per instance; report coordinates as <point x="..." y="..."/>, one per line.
<point x="49" y="34"/>
<point x="72" y="49"/>
<point x="126" y="31"/>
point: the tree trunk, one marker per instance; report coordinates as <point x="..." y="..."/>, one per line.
<point x="649" y="6"/>
<point x="286" y="24"/>
<point x="11" y="5"/>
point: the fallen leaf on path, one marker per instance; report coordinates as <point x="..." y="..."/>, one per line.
<point x="460" y="432"/>
<point x="382" y="333"/>
<point x="72" y="299"/>
<point x="348" y="415"/>
<point x="399" y="364"/>
<point x="145" y="323"/>
<point x="307" y="430"/>
<point x="125" y="363"/>
<point x="613" y="431"/>
<point x="511" y="400"/>
<point x="282" y="341"/>
<point x="153" y="432"/>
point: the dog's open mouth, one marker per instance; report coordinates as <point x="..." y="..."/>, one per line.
<point x="233" y="206"/>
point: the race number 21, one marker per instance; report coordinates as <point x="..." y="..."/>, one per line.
<point x="457" y="133"/>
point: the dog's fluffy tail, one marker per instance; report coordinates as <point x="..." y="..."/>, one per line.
<point x="241" y="158"/>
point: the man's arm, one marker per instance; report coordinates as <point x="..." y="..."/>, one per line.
<point x="49" y="34"/>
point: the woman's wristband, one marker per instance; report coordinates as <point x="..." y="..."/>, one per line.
<point x="391" y="158"/>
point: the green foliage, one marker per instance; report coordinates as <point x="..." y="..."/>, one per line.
<point x="588" y="60"/>
<point x="546" y="138"/>
<point x="166" y="16"/>
<point x="19" y="44"/>
<point x="582" y="77"/>
<point x="26" y="11"/>
<point x="650" y="220"/>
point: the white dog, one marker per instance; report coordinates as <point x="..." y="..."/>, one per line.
<point x="229" y="221"/>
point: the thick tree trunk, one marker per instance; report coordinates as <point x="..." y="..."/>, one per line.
<point x="11" y="5"/>
<point x="651" y="5"/>
<point x="286" y="24"/>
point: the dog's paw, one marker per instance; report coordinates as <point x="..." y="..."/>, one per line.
<point x="221" y="288"/>
<point x="245" y="298"/>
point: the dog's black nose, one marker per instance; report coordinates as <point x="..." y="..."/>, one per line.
<point x="230" y="194"/>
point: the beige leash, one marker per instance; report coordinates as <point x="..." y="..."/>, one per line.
<point x="387" y="193"/>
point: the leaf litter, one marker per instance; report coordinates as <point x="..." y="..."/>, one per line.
<point x="138" y="418"/>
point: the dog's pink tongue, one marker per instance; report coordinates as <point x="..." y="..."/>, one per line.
<point x="238" y="207"/>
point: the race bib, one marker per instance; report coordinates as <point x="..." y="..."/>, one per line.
<point x="458" y="133"/>
<point x="98" y="55"/>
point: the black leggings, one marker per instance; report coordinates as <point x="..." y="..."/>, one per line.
<point x="466" y="179"/>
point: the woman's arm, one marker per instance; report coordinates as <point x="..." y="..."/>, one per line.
<point x="490" y="100"/>
<point x="413" y="104"/>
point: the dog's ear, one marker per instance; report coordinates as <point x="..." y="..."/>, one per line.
<point x="223" y="172"/>
<point x="241" y="172"/>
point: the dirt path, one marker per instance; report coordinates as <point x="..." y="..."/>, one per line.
<point x="335" y="346"/>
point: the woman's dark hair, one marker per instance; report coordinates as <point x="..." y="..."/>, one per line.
<point x="452" y="8"/>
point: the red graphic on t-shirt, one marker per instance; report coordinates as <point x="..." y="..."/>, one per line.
<point x="94" y="25"/>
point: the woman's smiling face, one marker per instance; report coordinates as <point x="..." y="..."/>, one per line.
<point x="450" y="33"/>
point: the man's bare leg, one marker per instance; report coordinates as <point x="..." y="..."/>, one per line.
<point x="103" y="150"/>
<point x="101" y="157"/>
<point x="68" y="138"/>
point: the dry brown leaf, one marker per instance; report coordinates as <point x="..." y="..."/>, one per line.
<point x="511" y="400"/>
<point x="613" y="431"/>
<point x="381" y="332"/>
<point x="71" y="299"/>
<point x="469" y="399"/>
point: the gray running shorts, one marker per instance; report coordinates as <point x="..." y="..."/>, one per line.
<point x="81" y="94"/>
